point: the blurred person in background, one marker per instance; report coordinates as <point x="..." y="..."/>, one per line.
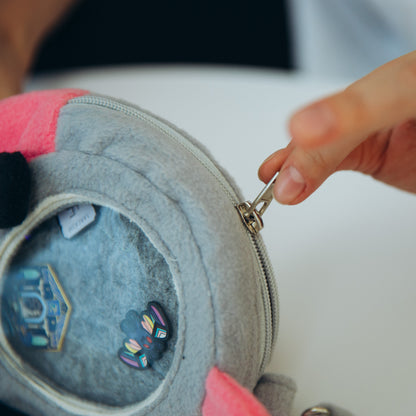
<point x="369" y="127"/>
<point x="49" y="35"/>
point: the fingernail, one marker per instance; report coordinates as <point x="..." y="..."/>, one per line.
<point x="312" y="122"/>
<point x="289" y="185"/>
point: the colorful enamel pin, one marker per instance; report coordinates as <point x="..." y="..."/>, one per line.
<point x="147" y="336"/>
<point x="36" y="308"/>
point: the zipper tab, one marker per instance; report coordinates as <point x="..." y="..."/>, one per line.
<point x="251" y="215"/>
<point x="317" y="411"/>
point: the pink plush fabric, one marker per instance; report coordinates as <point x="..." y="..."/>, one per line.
<point x="225" y="397"/>
<point x="28" y="121"/>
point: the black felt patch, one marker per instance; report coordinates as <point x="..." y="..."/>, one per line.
<point x="14" y="189"/>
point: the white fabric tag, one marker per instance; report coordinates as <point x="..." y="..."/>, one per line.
<point x="75" y="219"/>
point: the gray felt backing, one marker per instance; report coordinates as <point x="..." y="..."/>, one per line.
<point x="107" y="269"/>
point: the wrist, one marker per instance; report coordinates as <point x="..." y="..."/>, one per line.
<point x="25" y="23"/>
<point x="12" y="68"/>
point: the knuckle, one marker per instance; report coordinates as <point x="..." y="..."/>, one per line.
<point x="318" y="168"/>
<point x="357" y="110"/>
<point x="407" y="73"/>
<point x="318" y="159"/>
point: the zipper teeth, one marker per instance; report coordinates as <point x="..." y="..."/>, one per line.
<point x="169" y="131"/>
<point x="269" y="284"/>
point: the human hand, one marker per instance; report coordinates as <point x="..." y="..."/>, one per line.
<point x="12" y="68"/>
<point x="369" y="127"/>
<point x="23" y="26"/>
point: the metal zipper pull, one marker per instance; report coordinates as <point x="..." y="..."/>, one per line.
<point x="317" y="411"/>
<point x="251" y="215"/>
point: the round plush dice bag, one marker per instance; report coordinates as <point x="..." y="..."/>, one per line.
<point x="130" y="285"/>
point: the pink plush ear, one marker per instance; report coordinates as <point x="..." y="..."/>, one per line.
<point x="28" y="121"/>
<point x="225" y="397"/>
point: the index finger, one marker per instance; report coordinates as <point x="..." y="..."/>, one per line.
<point x="383" y="98"/>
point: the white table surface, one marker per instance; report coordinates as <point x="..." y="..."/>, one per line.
<point x="345" y="259"/>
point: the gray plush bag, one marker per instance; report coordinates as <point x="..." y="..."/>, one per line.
<point x="162" y="227"/>
<point x="129" y="222"/>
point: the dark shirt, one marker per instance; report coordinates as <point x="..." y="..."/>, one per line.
<point x="237" y="32"/>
